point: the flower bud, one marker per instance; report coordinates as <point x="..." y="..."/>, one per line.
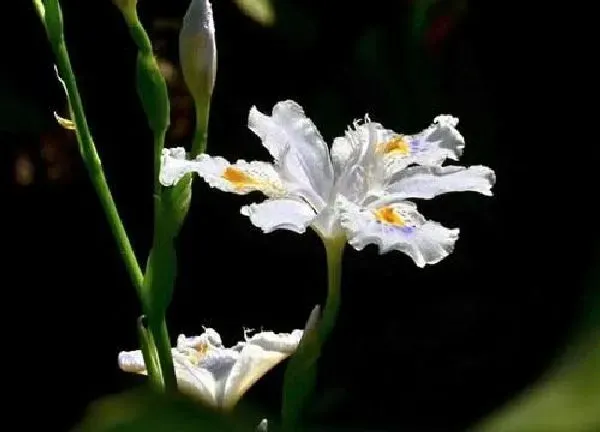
<point x="198" y="61"/>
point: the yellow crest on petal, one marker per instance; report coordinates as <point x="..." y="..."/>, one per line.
<point x="238" y="178"/>
<point x="389" y="216"/>
<point x="396" y="145"/>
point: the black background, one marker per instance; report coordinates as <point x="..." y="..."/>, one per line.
<point x="421" y="349"/>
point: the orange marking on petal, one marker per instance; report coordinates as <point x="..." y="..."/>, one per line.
<point x="200" y="350"/>
<point x="395" y="145"/>
<point x="388" y="215"/>
<point x="238" y="178"/>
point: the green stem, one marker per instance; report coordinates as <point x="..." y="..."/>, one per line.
<point x="155" y="342"/>
<point x="301" y="372"/>
<point x="158" y="324"/>
<point x="152" y="343"/>
<point x="162" y="345"/>
<point x="137" y="32"/>
<point x="39" y="8"/>
<point x="334" y="249"/>
<point x="150" y="354"/>
<point x="159" y="144"/>
<point x="94" y="168"/>
<point x="158" y="121"/>
<point x="201" y="133"/>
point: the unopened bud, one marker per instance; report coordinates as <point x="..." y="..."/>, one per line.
<point x="198" y="61"/>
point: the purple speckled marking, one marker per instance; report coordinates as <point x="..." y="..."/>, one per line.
<point x="407" y="229"/>
<point x="386" y="228"/>
<point x="416" y="146"/>
<point x="390" y="229"/>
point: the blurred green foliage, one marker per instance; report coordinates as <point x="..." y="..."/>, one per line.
<point x="567" y="399"/>
<point x="260" y="11"/>
<point x="148" y="411"/>
<point x="144" y="410"/>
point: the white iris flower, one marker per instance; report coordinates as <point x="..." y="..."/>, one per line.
<point x="217" y="375"/>
<point x="358" y="191"/>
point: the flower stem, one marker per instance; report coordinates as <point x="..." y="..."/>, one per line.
<point x="50" y="14"/>
<point x="301" y="373"/>
<point x="149" y="353"/>
<point x="159" y="144"/>
<point x="162" y="345"/>
<point x="201" y="132"/>
<point x="334" y="249"/>
<point x="158" y="324"/>
<point x="153" y="94"/>
<point x="94" y="167"/>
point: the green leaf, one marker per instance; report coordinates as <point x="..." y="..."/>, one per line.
<point x="568" y="400"/>
<point x="148" y="411"/>
<point x="161" y="271"/>
<point x="301" y="373"/>
<point x="153" y="93"/>
<point x="175" y="204"/>
<point x="54" y="22"/>
<point x="260" y="11"/>
<point x="149" y="352"/>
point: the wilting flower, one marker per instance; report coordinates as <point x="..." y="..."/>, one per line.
<point x="215" y="374"/>
<point x="359" y="190"/>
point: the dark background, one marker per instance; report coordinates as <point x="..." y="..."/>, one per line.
<point x="414" y="349"/>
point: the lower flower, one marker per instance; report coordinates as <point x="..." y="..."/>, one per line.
<point x="217" y="375"/>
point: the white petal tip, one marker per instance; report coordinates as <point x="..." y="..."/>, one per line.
<point x="446" y="120"/>
<point x="173" y="166"/>
<point x="272" y="215"/>
<point x="263" y="426"/>
<point x="131" y="361"/>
